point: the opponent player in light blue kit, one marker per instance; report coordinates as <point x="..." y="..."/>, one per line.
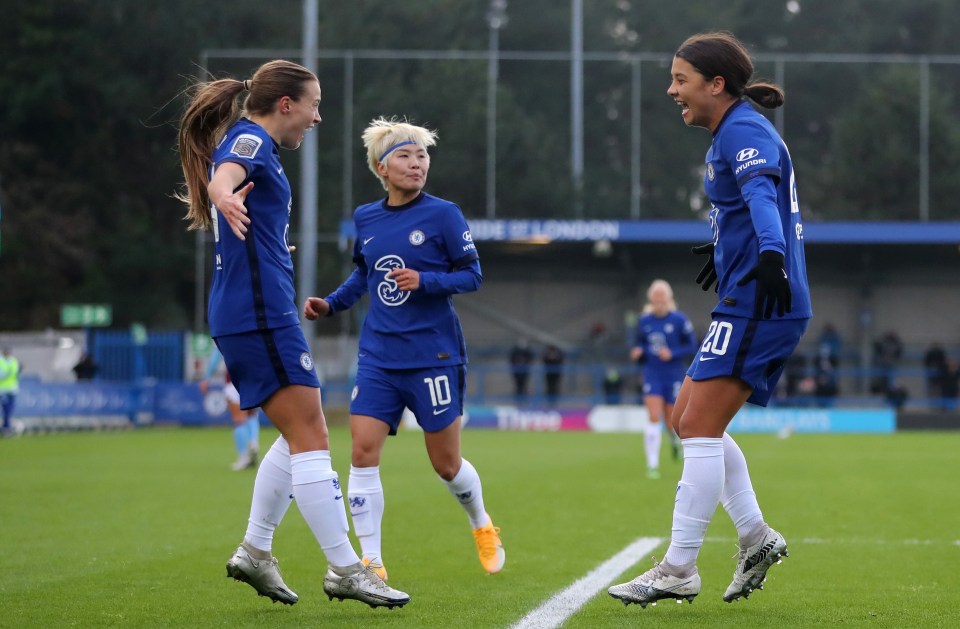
<point x="246" y="423"/>
<point x="235" y="180"/>
<point x="664" y="342"/>
<point x="413" y="252"/>
<point x="764" y="307"/>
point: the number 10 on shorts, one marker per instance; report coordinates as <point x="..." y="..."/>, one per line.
<point x="439" y="390"/>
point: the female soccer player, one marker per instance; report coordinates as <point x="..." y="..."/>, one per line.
<point x="413" y="253"/>
<point x="763" y="310"/>
<point x="231" y="159"/>
<point x="664" y="341"/>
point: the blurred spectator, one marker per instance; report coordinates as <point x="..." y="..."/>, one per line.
<point x="521" y="357"/>
<point x="9" y="387"/>
<point x="612" y="386"/>
<point x="825" y="376"/>
<point x="552" y="370"/>
<point x="887" y="351"/>
<point x="897" y="395"/>
<point x="950" y="387"/>
<point x="794" y="374"/>
<point x="935" y="364"/>
<point x="86" y="368"/>
<point x="830" y="343"/>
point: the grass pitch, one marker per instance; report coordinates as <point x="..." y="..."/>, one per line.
<point x="132" y="529"/>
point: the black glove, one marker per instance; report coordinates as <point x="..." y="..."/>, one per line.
<point x="773" y="287"/>
<point x="708" y="274"/>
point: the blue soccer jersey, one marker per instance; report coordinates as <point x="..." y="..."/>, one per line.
<point x="750" y="183"/>
<point x="411" y="329"/>
<point x="673" y="331"/>
<point x="252" y="284"/>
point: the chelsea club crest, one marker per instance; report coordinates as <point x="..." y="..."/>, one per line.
<point x="416" y="238"/>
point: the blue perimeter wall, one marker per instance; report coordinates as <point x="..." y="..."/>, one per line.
<point x="184" y="404"/>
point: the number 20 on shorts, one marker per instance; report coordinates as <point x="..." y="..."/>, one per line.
<point x="718" y="338"/>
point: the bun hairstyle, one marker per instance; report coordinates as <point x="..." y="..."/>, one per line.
<point x="722" y="54"/>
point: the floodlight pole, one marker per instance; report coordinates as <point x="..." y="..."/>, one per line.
<point x="307" y="247"/>
<point x="496" y="18"/>
<point x="576" y="104"/>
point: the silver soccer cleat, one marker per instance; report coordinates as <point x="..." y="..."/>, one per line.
<point x="361" y="583"/>
<point x="262" y="574"/>
<point x="753" y="563"/>
<point x="654" y="585"/>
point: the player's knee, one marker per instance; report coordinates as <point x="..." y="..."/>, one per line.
<point x="446" y="468"/>
<point x="364" y="454"/>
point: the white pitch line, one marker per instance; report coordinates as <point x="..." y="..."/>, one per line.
<point x="850" y="540"/>
<point x="564" y="604"/>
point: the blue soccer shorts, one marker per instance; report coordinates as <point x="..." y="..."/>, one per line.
<point x="262" y="362"/>
<point x="433" y="394"/>
<point x="662" y="384"/>
<point x="752" y="350"/>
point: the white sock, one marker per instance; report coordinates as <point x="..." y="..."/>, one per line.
<point x="738" y="497"/>
<point x="652" y="436"/>
<point x="272" y="495"/>
<point x="317" y="491"/>
<point x="466" y="488"/>
<point x="365" y="493"/>
<point x="697" y="496"/>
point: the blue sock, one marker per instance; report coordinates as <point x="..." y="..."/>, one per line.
<point x="240" y="437"/>
<point x="253" y="430"/>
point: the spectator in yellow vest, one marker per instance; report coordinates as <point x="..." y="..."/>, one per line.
<point x="9" y="386"/>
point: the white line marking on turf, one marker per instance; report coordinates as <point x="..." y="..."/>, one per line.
<point x="564" y="604"/>
<point x="849" y="540"/>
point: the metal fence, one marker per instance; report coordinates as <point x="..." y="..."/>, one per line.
<point x="869" y="135"/>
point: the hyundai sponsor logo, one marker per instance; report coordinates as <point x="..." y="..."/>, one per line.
<point x="746" y="154"/>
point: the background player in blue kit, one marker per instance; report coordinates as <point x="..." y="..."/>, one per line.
<point x="413" y="252"/>
<point x="234" y="179"/>
<point x="763" y="310"/>
<point x="664" y="342"/>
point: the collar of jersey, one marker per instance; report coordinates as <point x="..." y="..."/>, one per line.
<point x="727" y="114"/>
<point x="405" y="206"/>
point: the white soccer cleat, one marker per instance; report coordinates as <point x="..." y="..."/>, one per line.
<point x="361" y="583"/>
<point x="262" y="574"/>
<point x="753" y="563"/>
<point x="242" y="462"/>
<point x="654" y="585"/>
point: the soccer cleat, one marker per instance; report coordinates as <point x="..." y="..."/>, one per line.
<point x="753" y="563"/>
<point x="376" y="566"/>
<point x="489" y="547"/>
<point x="243" y="462"/>
<point x="655" y="584"/>
<point x="653" y="473"/>
<point x="262" y="574"/>
<point x="361" y="583"/>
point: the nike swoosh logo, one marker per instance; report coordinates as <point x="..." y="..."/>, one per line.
<point x="340" y="497"/>
<point x="705" y="358"/>
<point x="366" y="240"/>
<point x="280" y="170"/>
<point x="443" y="410"/>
